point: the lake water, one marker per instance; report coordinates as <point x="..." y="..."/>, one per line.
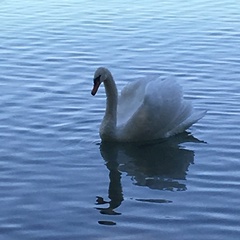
<point x="57" y="181"/>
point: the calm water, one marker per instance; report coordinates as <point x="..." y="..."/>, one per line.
<point x="57" y="181"/>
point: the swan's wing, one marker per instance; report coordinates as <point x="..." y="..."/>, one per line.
<point x="164" y="100"/>
<point x="130" y="99"/>
<point x="174" y="113"/>
<point x="150" y="111"/>
<point x="161" y="113"/>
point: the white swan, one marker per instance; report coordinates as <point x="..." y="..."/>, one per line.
<point x="145" y="110"/>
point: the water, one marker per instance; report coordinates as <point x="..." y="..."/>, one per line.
<point x="57" y="181"/>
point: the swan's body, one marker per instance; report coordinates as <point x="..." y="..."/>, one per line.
<point x="145" y="110"/>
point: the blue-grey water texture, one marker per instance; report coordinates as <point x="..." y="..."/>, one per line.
<point x="57" y="181"/>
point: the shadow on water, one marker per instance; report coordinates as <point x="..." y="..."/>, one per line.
<point x="157" y="165"/>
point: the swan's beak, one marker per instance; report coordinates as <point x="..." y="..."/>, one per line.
<point x="95" y="86"/>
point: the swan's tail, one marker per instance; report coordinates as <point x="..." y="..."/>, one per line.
<point x="188" y="122"/>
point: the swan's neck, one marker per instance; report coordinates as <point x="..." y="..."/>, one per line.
<point x="108" y="126"/>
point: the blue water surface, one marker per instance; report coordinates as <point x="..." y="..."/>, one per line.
<point x="57" y="180"/>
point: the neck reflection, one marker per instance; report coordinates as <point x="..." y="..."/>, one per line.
<point x="159" y="165"/>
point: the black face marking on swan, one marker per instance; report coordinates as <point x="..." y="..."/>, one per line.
<point x="96" y="80"/>
<point x="96" y="84"/>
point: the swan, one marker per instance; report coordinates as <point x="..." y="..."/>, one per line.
<point x="146" y="110"/>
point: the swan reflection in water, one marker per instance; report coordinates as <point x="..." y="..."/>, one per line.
<point x="159" y="165"/>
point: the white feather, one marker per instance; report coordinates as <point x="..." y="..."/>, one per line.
<point x="145" y="110"/>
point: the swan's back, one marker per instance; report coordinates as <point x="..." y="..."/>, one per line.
<point x="153" y="109"/>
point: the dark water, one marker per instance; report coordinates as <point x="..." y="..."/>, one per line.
<point x="57" y="181"/>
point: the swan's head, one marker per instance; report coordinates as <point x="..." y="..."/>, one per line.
<point x="101" y="75"/>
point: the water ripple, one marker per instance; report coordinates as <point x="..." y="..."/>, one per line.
<point x="51" y="161"/>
